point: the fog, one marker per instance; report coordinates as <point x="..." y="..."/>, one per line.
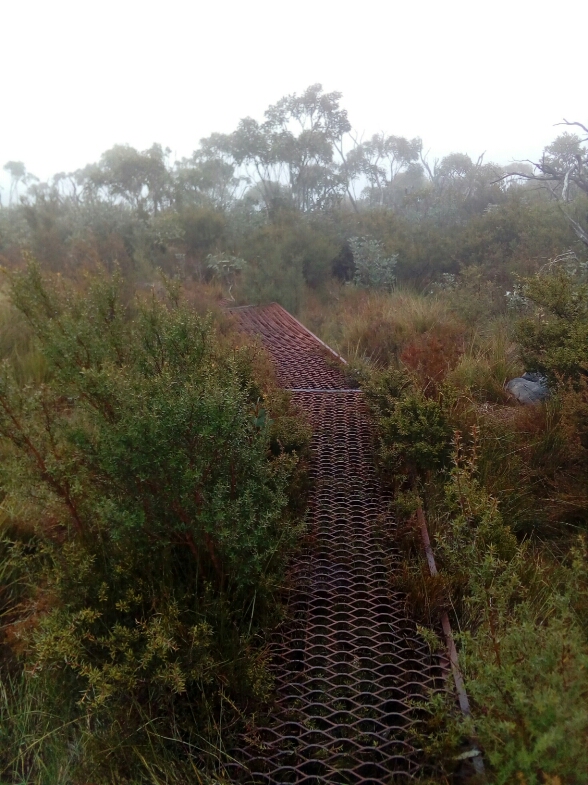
<point x="80" y="77"/>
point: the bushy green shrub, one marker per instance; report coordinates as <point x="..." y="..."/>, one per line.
<point x="283" y="258"/>
<point x="154" y="472"/>
<point x="413" y="431"/>
<point x="554" y="338"/>
<point x="528" y="680"/>
<point x="270" y="279"/>
<point x="372" y="267"/>
<point x="203" y="229"/>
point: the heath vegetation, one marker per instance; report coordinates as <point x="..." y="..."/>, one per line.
<point x="152" y="474"/>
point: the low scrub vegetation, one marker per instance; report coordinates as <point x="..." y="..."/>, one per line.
<point x="152" y="475"/>
<point x="504" y="491"/>
<point x="148" y="509"/>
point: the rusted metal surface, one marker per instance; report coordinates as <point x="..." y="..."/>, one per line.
<point x="349" y="665"/>
<point x="301" y="359"/>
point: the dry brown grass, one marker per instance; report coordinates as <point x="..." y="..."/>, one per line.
<point x="377" y="327"/>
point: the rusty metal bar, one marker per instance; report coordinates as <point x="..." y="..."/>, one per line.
<point x="462" y="696"/>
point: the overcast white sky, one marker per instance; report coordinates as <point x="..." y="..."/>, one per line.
<point x="81" y="75"/>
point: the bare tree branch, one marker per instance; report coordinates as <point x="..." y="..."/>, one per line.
<point x="574" y="122"/>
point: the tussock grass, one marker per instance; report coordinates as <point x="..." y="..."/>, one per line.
<point x="375" y="327"/>
<point x="45" y="741"/>
<point x="489" y="360"/>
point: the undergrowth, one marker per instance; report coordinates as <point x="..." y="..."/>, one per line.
<point x="504" y="491"/>
<point x="152" y="483"/>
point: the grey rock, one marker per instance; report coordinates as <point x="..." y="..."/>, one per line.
<point x="530" y="388"/>
<point x="534" y="377"/>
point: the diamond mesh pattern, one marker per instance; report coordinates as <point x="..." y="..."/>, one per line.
<point x="301" y="360"/>
<point x="349" y="663"/>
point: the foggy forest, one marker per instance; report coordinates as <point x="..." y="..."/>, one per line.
<point x="160" y="479"/>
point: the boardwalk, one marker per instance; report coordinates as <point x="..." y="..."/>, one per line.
<point x="350" y="665"/>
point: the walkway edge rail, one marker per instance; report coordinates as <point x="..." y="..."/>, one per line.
<point x="462" y="696"/>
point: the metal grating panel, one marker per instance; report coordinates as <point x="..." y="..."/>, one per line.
<point x="301" y="359"/>
<point x="349" y="664"/>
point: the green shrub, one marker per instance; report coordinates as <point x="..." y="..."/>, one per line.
<point x="523" y="647"/>
<point x="154" y="470"/>
<point x="413" y="432"/>
<point x="283" y="258"/>
<point x="528" y="681"/>
<point x="272" y="278"/>
<point x="203" y="229"/>
<point x="372" y="267"/>
<point x="554" y="339"/>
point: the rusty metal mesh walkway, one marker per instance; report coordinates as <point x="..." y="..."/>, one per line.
<point x="349" y="664"/>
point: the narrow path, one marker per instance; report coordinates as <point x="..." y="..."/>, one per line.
<point x="350" y="665"/>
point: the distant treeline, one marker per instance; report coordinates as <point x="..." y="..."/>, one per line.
<point x="285" y="196"/>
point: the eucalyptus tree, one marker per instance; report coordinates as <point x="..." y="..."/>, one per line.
<point x="208" y="177"/>
<point x="382" y="161"/>
<point x="18" y="176"/>
<point x="304" y="132"/>
<point x="290" y="157"/>
<point x="139" y="178"/>
<point x="563" y="172"/>
<point x="460" y="187"/>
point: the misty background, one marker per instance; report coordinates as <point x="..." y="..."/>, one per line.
<point x="81" y="78"/>
<point x="355" y="165"/>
